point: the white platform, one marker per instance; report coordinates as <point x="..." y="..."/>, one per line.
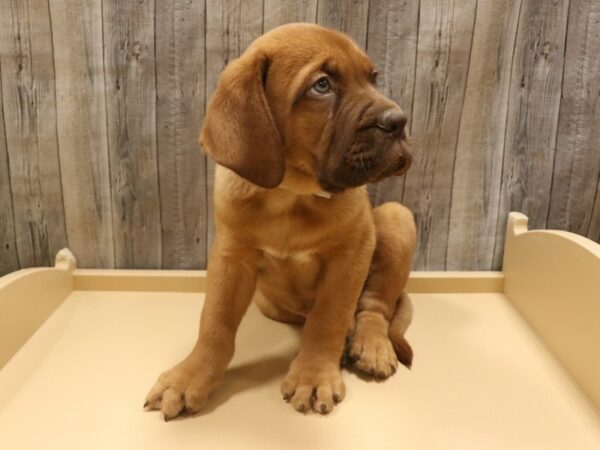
<point x="481" y="380"/>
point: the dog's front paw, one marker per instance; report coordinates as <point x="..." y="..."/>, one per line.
<point x="182" y="388"/>
<point x="372" y="352"/>
<point x="317" y="386"/>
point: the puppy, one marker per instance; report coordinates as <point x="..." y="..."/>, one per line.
<point x="298" y="128"/>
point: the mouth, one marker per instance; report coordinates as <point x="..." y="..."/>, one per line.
<point x="364" y="164"/>
<point x="373" y="164"/>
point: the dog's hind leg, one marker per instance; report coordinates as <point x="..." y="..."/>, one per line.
<point x="384" y="310"/>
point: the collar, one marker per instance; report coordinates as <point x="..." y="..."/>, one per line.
<point x="301" y="183"/>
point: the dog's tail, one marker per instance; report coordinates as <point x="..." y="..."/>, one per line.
<point x="398" y="326"/>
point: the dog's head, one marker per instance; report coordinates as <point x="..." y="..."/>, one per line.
<point x="303" y="97"/>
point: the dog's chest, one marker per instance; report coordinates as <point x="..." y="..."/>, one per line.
<point x="282" y="254"/>
<point x="290" y="277"/>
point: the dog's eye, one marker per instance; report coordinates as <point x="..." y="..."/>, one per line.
<point x="321" y="86"/>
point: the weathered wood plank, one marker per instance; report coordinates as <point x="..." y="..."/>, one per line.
<point x="278" y="12"/>
<point x="347" y="16"/>
<point x="533" y="104"/>
<point x="130" y="85"/>
<point x="9" y="259"/>
<point x="478" y="165"/>
<point x="392" y="46"/>
<point x="81" y="122"/>
<point x="231" y="25"/>
<point x="26" y="57"/>
<point x="180" y="104"/>
<point x="577" y="165"/>
<point x="445" y="34"/>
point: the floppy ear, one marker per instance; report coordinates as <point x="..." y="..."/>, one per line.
<point x="239" y="131"/>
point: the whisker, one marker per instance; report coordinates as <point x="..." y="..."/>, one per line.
<point x="362" y="163"/>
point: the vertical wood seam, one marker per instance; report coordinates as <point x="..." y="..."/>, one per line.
<point x="375" y="186"/>
<point x="560" y="105"/>
<point x="110" y="222"/>
<point x="62" y="196"/>
<point x="156" y="125"/>
<point x="459" y="126"/>
<point x="510" y="81"/>
<point x="587" y="25"/>
<point x="317" y="13"/>
<point x="175" y="112"/>
<point x="10" y="191"/>
<point x="412" y="104"/>
<point x="206" y="169"/>
<point x="367" y="30"/>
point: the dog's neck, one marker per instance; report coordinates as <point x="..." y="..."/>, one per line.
<point x="301" y="183"/>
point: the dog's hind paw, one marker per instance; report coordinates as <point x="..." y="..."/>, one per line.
<point x="372" y="353"/>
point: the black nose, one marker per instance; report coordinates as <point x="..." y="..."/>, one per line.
<point x="392" y="121"/>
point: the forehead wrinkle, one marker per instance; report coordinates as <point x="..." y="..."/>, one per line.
<point x="302" y="77"/>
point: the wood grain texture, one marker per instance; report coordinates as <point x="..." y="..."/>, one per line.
<point x="231" y="26"/>
<point x="180" y="104"/>
<point x="392" y="46"/>
<point x="445" y="34"/>
<point x="351" y="17"/>
<point x="102" y="102"/>
<point x="81" y="123"/>
<point x="26" y="57"/>
<point x="9" y="259"/>
<point x="478" y="164"/>
<point x="533" y="104"/>
<point x="130" y="84"/>
<point x="577" y="162"/>
<point x="278" y="12"/>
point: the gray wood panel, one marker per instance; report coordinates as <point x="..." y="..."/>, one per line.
<point x="231" y="26"/>
<point x="478" y="164"/>
<point x="180" y="105"/>
<point x="351" y="17"/>
<point x="9" y="259"/>
<point x="278" y="12"/>
<point x="102" y="103"/>
<point x="577" y="162"/>
<point x="444" y="48"/>
<point x="392" y="46"/>
<point x="130" y="84"/>
<point x="534" y="99"/>
<point x="81" y="122"/>
<point x="29" y="103"/>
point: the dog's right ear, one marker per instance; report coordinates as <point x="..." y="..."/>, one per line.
<point x="239" y="131"/>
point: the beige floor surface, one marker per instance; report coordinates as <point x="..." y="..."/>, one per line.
<point x="480" y="380"/>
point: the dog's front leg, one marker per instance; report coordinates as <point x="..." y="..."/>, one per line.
<point x="314" y="379"/>
<point x="230" y="286"/>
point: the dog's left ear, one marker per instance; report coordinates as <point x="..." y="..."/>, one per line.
<point x="239" y="131"/>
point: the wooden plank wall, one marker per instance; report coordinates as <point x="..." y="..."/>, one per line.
<point x="102" y="103"/>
